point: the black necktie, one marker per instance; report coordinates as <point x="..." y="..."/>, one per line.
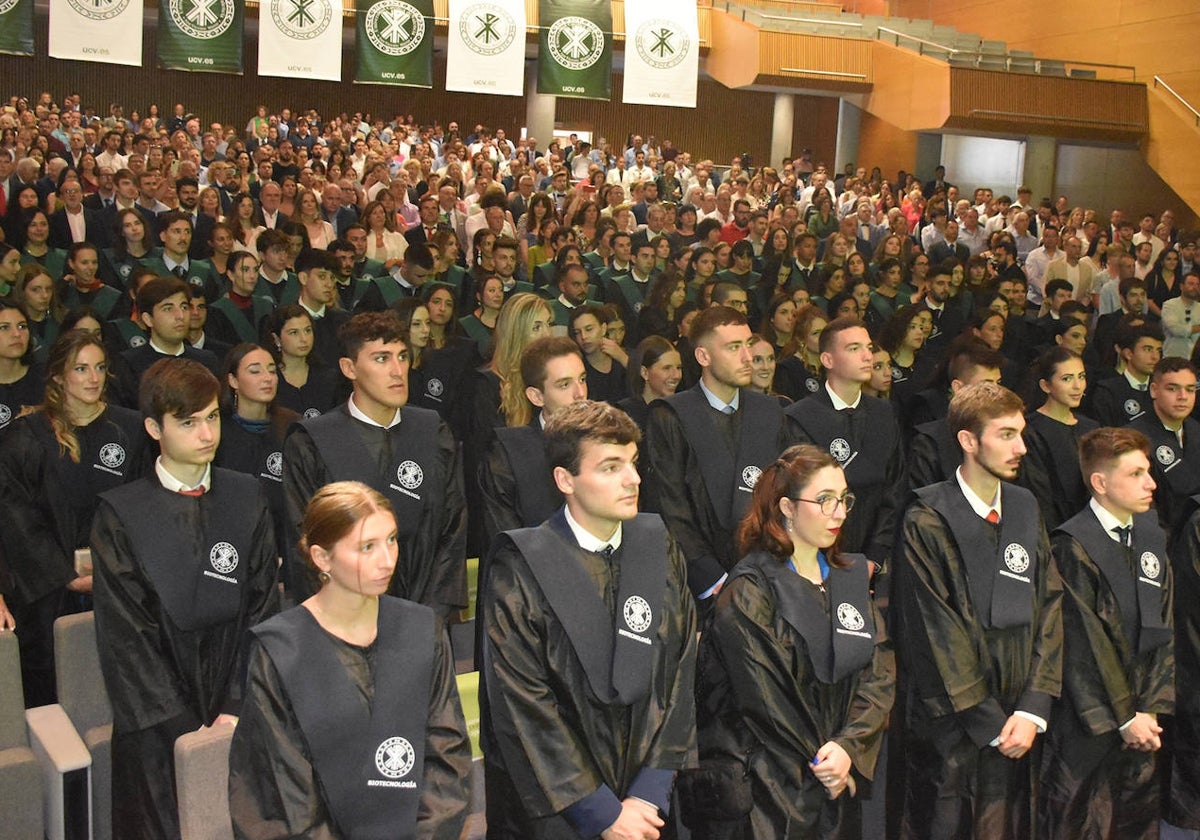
<point x="180" y="272"/>
<point x="606" y="552"/>
<point x="1124" y="534"/>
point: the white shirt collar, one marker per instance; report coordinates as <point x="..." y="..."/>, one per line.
<point x="716" y="402"/>
<point x="173" y="484"/>
<point x="163" y="352"/>
<point x="1107" y="520"/>
<point x="587" y="541"/>
<point x="840" y="404"/>
<point x="981" y="508"/>
<point x="358" y="415"/>
<point x="1132" y="380"/>
<point x="316" y="313"/>
<point x="172" y="265"/>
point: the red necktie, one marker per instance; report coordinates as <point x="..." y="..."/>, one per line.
<point x="199" y="491"/>
<point x="993" y="517"/>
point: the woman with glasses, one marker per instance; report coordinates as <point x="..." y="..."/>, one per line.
<point x="795" y="674"/>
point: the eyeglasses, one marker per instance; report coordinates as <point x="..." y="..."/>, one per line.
<point x="828" y="503"/>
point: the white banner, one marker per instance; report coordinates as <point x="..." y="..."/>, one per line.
<point x="485" y="51"/>
<point x="300" y="39"/>
<point x="662" y="53"/>
<point x="108" y="31"/>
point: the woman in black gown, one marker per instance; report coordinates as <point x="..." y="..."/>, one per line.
<point x="796" y="674"/>
<point x="351" y="724"/>
<point x="1050" y="468"/>
<point x="53" y="464"/>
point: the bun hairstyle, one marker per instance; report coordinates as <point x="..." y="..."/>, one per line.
<point x="332" y="513"/>
<point x="762" y="527"/>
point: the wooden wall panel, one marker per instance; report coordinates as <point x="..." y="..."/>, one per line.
<point x="884" y="145"/>
<point x="778" y="50"/>
<point x="725" y="123"/>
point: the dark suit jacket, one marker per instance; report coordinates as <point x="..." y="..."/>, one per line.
<point x="943" y="251"/>
<point x="342" y="219"/>
<point x="94" y="229"/>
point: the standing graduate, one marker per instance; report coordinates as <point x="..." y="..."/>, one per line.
<point x="1174" y="437"/>
<point x="861" y="434"/>
<point x="406" y="453"/>
<point x="53" y="464"/>
<point x="518" y="485"/>
<point x="351" y="726"/>
<point x="708" y="445"/>
<point x="978" y="611"/>
<point x="174" y="604"/>
<point x="1101" y="774"/>
<point x="590" y="650"/>
<point x="254" y="425"/>
<point x="1123" y="398"/>
<point x="796" y="674"/>
<point x="1050" y="468"/>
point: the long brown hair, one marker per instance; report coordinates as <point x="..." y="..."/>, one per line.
<point x="762" y="528"/>
<point x="63" y="353"/>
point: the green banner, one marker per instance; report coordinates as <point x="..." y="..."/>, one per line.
<point x="16" y="27"/>
<point x="395" y="43"/>
<point x="575" y="48"/>
<point x="201" y="35"/>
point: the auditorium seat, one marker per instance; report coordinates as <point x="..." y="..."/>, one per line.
<point x="20" y="778"/>
<point x="81" y="693"/>
<point x="202" y="783"/>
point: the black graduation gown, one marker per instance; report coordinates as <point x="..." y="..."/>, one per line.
<point x="432" y="569"/>
<point x="1050" y="468"/>
<point x="1176" y="469"/>
<point x="441" y="383"/>
<point x="794" y="380"/>
<point x="963" y="677"/>
<point x="1114" y="665"/>
<point x="682" y="466"/>
<point x="315" y="397"/>
<point x="1116" y="403"/>
<point x="173" y="658"/>
<point x="260" y="455"/>
<point x="27" y="391"/>
<point x="611" y="387"/>
<point x="516" y="480"/>
<point x="865" y="441"/>
<point x="550" y="739"/>
<point x="759" y="696"/>
<point x="933" y="454"/>
<point x="1181" y="799"/>
<point x="275" y="789"/>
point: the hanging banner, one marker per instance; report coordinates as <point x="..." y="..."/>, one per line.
<point x="16" y="27"/>
<point x="575" y="48"/>
<point x="485" y="49"/>
<point x="204" y="35"/>
<point x="395" y="43"/>
<point x="662" y="53"/>
<point x="107" y="31"/>
<point x="300" y="39"/>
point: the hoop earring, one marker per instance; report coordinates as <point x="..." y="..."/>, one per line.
<point x="323" y="577"/>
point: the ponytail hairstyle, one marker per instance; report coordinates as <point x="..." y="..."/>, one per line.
<point x="63" y="354"/>
<point x="762" y="527"/>
<point x="332" y="513"/>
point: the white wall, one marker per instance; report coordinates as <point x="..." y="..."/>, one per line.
<point x="983" y="162"/>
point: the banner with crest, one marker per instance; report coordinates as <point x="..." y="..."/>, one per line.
<point x="575" y="48"/>
<point x="16" y="27"/>
<point x="662" y="53"/>
<point x="300" y="39"/>
<point x="395" y="43"/>
<point x="105" y="31"/>
<point x="485" y="49"/>
<point x="201" y="35"/>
